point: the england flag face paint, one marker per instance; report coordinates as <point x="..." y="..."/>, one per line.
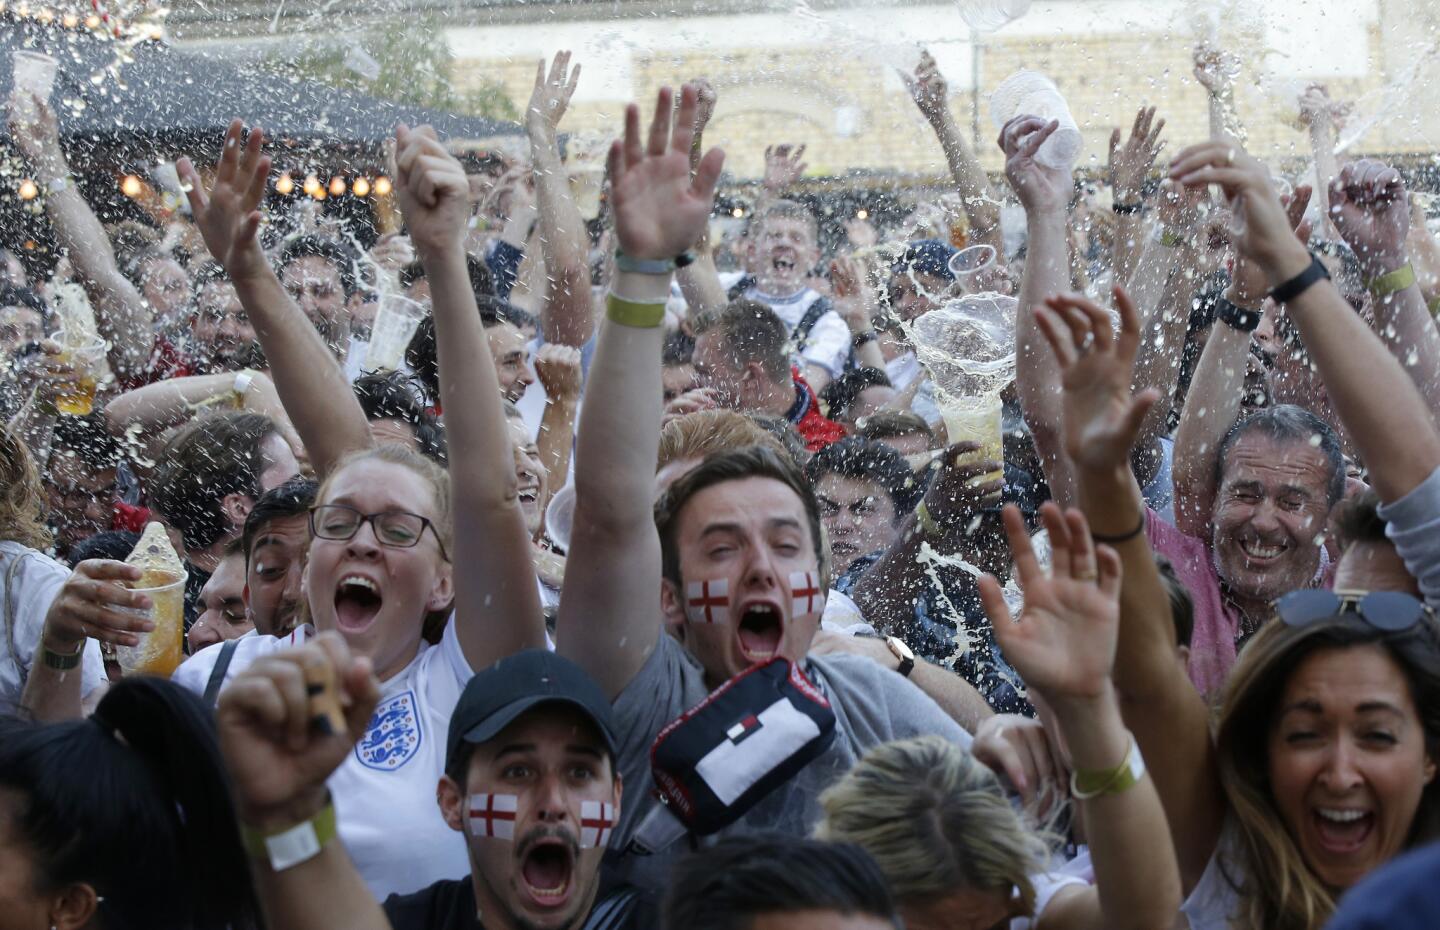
<point x="493" y="815"/>
<point x="707" y="601"/>
<point x="597" y="822"/>
<point x="807" y="598"/>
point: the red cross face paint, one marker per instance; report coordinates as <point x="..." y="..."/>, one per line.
<point x="807" y="598"/>
<point x="707" y="601"/>
<point x="597" y="822"/>
<point x="493" y="815"/>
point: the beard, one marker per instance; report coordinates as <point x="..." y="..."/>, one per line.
<point x="240" y="357"/>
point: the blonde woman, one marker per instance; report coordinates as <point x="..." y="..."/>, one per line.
<point x="956" y="854"/>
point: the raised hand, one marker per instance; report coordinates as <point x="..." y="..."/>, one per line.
<point x="558" y="369"/>
<point x="1021" y="749"/>
<point x="94" y="602"/>
<point x="433" y="191"/>
<point x="1130" y="163"/>
<point x="1101" y="417"/>
<point x="956" y="494"/>
<point x="36" y="134"/>
<point x="783" y="166"/>
<point x="659" y="210"/>
<point x="852" y="295"/>
<point x="1371" y="211"/>
<point x="278" y="757"/>
<point x="1215" y="69"/>
<point x="1181" y="210"/>
<point x="1317" y="109"/>
<point x="1263" y="231"/>
<point x="551" y="96"/>
<point x="928" y="88"/>
<point x="1063" y="643"/>
<point x="706" y="97"/>
<point x="1041" y="189"/>
<point x="229" y="218"/>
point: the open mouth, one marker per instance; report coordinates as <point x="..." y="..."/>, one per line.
<point x="357" y="601"/>
<point x="783" y="264"/>
<point x="529" y="495"/>
<point x="1257" y="553"/>
<point x="1342" y="830"/>
<point x="546" y="869"/>
<point x="760" y="630"/>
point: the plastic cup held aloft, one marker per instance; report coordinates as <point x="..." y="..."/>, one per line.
<point x="77" y="398"/>
<point x="1030" y="93"/>
<point x="989" y="15"/>
<point x="979" y="420"/>
<point x="967" y="263"/>
<point x="161" y="650"/>
<point x="34" y="74"/>
<point x="390" y="335"/>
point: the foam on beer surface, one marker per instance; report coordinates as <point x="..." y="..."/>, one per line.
<point x="154" y="555"/>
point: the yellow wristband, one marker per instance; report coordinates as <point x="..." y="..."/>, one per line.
<point x="633" y="313"/>
<point x="1435" y="307"/>
<point x="1393" y="282"/>
<point x="1085" y="785"/>
<point x="928" y="526"/>
<point x="288" y="848"/>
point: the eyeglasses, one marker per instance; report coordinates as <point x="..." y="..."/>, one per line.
<point x="1391" y="611"/>
<point x="395" y="528"/>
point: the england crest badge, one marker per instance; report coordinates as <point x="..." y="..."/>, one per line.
<point x="393" y="734"/>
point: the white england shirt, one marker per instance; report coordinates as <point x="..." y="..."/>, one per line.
<point x="384" y="791"/>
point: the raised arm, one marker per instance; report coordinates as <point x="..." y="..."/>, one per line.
<point x="159" y="406"/>
<point x="1379" y="404"/>
<point x="1160" y="706"/>
<point x="311" y="384"/>
<point x="497" y="603"/>
<point x="1063" y="645"/>
<point x="279" y="759"/>
<point x="1044" y="192"/>
<point x="559" y="369"/>
<point x="120" y="313"/>
<point x="699" y="281"/>
<point x="610" y="610"/>
<point x="1130" y="164"/>
<point x="1216" y="70"/>
<point x="1372" y="213"/>
<point x="567" y="314"/>
<point x="931" y="94"/>
<point x="1320" y="117"/>
<point x="1217" y="389"/>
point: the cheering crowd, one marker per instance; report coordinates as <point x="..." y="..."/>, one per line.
<point x="659" y="585"/>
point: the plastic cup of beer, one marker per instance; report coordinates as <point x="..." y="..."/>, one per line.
<point x="390" y="335"/>
<point x="161" y="650"/>
<point x="1029" y="93"/>
<point x="978" y="420"/>
<point x="34" y="74"/>
<point x="77" y="398"/>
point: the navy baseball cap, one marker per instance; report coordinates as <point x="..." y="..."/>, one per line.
<point x="928" y="256"/>
<point x="499" y="694"/>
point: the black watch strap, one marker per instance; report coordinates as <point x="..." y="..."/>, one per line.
<point x="1288" y="290"/>
<point x="1237" y="317"/>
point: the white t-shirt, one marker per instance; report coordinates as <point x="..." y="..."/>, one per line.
<point x="384" y="791"/>
<point x="1214" y="901"/>
<point x="27" y="596"/>
<point x="1077" y="872"/>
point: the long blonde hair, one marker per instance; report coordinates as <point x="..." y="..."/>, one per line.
<point x="21" y="499"/>
<point x="936" y="820"/>
<point x="1278" y="890"/>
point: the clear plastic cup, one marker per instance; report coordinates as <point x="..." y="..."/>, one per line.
<point x="161" y="650"/>
<point x="390" y="335"/>
<point x="989" y="15"/>
<point x="967" y="263"/>
<point x="1030" y="93"/>
<point x="77" y="398"/>
<point x="34" y="74"/>
<point x="977" y="419"/>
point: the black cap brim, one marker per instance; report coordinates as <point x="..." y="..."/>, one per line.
<point x="491" y="726"/>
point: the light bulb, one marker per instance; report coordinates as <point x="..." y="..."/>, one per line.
<point x="130" y="186"/>
<point x="382" y="186"/>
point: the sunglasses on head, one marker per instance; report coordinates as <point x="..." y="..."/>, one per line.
<point x="1391" y="611"/>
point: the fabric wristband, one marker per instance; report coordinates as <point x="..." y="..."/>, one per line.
<point x="1287" y="291"/>
<point x="634" y="313"/>
<point x="655" y="266"/>
<point x="1085" y="785"/>
<point x="290" y="847"/>
<point x="1169" y="239"/>
<point x="1246" y="321"/>
<point x="1124" y="537"/>
<point x="62" y="661"/>
<point x="1393" y="282"/>
<point x="1127" y="209"/>
<point x="860" y="339"/>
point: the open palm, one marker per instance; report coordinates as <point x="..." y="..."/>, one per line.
<point x="1063" y="643"/>
<point x="229" y="218"/>
<point x="660" y="211"/>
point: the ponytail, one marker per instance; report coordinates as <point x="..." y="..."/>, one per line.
<point x="134" y="802"/>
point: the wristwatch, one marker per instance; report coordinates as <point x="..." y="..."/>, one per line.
<point x="900" y="651"/>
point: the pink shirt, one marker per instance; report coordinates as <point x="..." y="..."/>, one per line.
<point x="1212" y="643"/>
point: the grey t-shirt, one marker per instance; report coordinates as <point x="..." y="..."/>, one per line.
<point x="1414" y="527"/>
<point x="872" y="705"/>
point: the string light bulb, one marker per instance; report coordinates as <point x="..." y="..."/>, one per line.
<point x="28" y="190"/>
<point x="361" y="187"/>
<point x="382" y="186"/>
<point x="130" y="186"/>
<point x="862" y="214"/>
<point x="337" y="186"/>
<point x="285" y="185"/>
<point x="311" y="185"/>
